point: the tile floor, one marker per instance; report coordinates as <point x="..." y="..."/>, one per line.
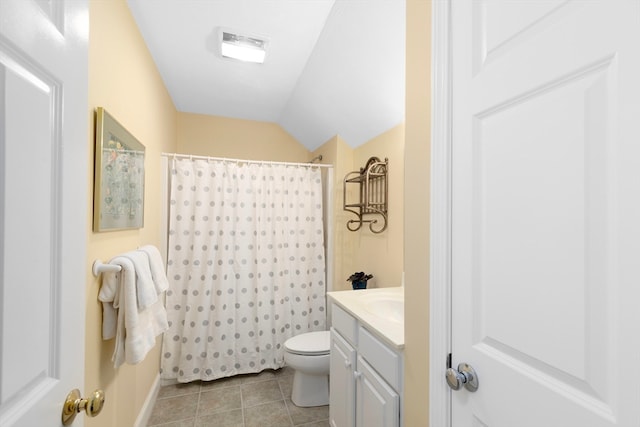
<point x="255" y="400"/>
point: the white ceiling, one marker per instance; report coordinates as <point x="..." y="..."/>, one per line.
<point x="333" y="67"/>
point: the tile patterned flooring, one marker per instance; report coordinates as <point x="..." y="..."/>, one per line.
<point x="253" y="400"/>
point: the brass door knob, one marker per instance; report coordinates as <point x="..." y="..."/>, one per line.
<point x="74" y="404"/>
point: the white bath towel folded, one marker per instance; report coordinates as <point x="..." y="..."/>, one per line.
<point x="136" y="328"/>
<point x="109" y="295"/>
<point x="146" y="294"/>
<point x="156" y="264"/>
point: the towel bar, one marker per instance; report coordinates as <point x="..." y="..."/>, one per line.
<point x="99" y="267"/>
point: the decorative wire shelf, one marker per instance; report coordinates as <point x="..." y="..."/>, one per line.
<point x="371" y="204"/>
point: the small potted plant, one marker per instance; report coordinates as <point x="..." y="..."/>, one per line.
<point x="359" y="280"/>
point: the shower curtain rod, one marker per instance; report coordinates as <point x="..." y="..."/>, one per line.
<point x="261" y="162"/>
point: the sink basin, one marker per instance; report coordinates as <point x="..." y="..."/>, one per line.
<point x="387" y="309"/>
<point x="380" y="310"/>
<point x="385" y="306"/>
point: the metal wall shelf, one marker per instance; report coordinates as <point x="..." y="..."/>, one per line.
<point x="370" y="206"/>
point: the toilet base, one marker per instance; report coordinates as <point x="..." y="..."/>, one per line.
<point x="310" y="390"/>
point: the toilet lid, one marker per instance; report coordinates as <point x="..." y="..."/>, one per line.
<point x="309" y="343"/>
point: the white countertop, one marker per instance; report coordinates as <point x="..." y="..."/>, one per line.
<point x="359" y="304"/>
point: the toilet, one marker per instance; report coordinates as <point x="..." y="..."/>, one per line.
<point x="308" y="355"/>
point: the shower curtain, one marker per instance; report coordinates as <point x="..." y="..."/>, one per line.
<point x="246" y="266"/>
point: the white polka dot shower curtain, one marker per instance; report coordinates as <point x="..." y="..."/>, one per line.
<point x="246" y="266"/>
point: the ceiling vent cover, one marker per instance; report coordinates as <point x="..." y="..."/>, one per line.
<point x="243" y="47"/>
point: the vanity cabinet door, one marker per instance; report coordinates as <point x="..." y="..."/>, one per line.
<point x="377" y="404"/>
<point x="342" y="384"/>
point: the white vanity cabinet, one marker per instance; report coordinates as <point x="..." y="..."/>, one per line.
<point x="377" y="404"/>
<point x="342" y="383"/>
<point x="365" y="377"/>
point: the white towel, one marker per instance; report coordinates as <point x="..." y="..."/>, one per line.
<point x="156" y="264"/>
<point x="146" y="294"/>
<point x="110" y="297"/>
<point x="136" y="328"/>
<point x="113" y="302"/>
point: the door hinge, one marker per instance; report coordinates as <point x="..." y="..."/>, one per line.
<point x="449" y="361"/>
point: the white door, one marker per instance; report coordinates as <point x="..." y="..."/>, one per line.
<point x="546" y="212"/>
<point x="43" y="207"/>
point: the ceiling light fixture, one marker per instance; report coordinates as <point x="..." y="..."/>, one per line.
<point x="243" y="48"/>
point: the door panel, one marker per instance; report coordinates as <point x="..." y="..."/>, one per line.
<point x="554" y="217"/>
<point x="544" y="153"/>
<point x="30" y="176"/>
<point x="43" y="202"/>
<point x="500" y="26"/>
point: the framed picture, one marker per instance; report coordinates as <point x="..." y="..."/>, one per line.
<point x="118" y="197"/>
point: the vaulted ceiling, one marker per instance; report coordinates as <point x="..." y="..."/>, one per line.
<point x="333" y="67"/>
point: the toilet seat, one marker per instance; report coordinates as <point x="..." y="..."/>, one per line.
<point x="309" y="344"/>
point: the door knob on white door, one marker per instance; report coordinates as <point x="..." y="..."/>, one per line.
<point x="74" y="404"/>
<point x="464" y="376"/>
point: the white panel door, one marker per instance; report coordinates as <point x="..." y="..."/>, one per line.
<point x="43" y="202"/>
<point x="546" y="211"/>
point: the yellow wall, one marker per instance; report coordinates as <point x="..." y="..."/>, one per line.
<point x="340" y="155"/>
<point x="377" y="254"/>
<point x="382" y="254"/>
<point x="416" y="213"/>
<point x="216" y="136"/>
<point x="123" y="79"/>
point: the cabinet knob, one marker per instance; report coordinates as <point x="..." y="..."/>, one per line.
<point x="347" y="364"/>
<point x="357" y="375"/>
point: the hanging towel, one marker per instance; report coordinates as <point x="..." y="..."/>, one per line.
<point x="113" y="305"/>
<point x="146" y="294"/>
<point x="109" y="296"/>
<point x="135" y="329"/>
<point x="156" y="264"/>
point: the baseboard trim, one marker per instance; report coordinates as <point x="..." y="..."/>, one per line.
<point x="147" y="407"/>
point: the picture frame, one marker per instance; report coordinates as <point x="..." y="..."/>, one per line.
<point x="118" y="199"/>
